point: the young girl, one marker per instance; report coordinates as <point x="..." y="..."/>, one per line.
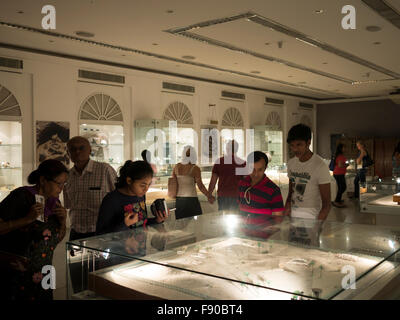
<point x="125" y="207"/>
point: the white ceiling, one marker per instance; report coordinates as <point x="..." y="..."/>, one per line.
<point x="136" y="34"/>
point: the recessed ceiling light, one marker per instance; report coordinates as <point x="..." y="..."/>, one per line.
<point x="169" y="11"/>
<point x="373" y="28"/>
<point x="319" y="11"/>
<point x="188" y="57"/>
<point x="84" y="34"/>
<point x="255" y="72"/>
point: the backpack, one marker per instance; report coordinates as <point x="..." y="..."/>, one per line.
<point x="368" y="161"/>
<point x="332" y="164"/>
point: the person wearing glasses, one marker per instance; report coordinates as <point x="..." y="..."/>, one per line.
<point x="260" y="199"/>
<point x="32" y="223"/>
<point x="89" y="181"/>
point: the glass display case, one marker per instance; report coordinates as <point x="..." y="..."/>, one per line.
<point x="380" y="196"/>
<point x="107" y="142"/>
<point x="10" y="157"/>
<point x="238" y="135"/>
<point x="270" y="141"/>
<point x="147" y="135"/>
<point x="225" y="256"/>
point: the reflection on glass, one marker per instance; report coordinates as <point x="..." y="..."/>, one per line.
<point x="301" y="258"/>
<point x="107" y="142"/>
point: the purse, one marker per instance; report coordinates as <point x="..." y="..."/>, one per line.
<point x="172" y="187"/>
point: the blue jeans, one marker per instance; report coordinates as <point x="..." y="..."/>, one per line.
<point x="360" y="177"/>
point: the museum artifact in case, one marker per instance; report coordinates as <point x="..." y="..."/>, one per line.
<point x="107" y="142"/>
<point x="269" y="140"/>
<point x="10" y="157"/>
<point x="227" y="256"/>
<point x="381" y="196"/>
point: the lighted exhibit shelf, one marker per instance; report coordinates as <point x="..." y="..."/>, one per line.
<point x="219" y="256"/>
<point x="10" y="157"/>
<point x="107" y="142"/>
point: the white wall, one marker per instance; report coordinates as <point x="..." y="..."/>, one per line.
<point x="49" y="89"/>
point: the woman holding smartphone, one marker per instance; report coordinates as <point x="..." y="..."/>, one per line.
<point x="30" y="231"/>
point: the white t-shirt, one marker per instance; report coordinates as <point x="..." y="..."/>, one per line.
<point x="306" y="178"/>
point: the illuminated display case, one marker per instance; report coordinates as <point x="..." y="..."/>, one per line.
<point x="270" y="141"/>
<point x="221" y="256"/>
<point x="147" y="135"/>
<point x="381" y="196"/>
<point x="10" y="157"/>
<point x="107" y="142"/>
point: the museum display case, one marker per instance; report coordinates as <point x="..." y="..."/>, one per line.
<point x="227" y="256"/>
<point x="10" y="157"/>
<point x="107" y="142"/>
<point x="269" y="140"/>
<point x="381" y="196"/>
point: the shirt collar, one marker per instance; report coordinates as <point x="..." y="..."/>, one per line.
<point x="262" y="181"/>
<point x="88" y="168"/>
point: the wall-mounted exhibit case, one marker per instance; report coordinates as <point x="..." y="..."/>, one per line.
<point x="107" y="142"/>
<point x="10" y="157"/>
<point x="221" y="256"/>
<point x="101" y="122"/>
<point x="270" y="141"/>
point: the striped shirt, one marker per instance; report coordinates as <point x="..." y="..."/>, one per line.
<point x="263" y="198"/>
<point x="83" y="194"/>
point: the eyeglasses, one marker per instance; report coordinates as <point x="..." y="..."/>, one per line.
<point x="59" y="184"/>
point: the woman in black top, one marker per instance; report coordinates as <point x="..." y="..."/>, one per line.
<point x="27" y="244"/>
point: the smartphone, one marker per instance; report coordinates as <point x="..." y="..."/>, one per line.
<point x="40" y="199"/>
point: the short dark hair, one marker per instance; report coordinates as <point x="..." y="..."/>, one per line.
<point x="135" y="170"/>
<point x="299" y="132"/>
<point x="257" y="156"/>
<point x="49" y="169"/>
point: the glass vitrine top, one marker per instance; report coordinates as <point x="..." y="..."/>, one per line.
<point x="288" y="257"/>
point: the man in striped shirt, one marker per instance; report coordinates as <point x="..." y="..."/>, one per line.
<point x="260" y="200"/>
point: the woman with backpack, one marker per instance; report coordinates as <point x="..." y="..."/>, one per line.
<point x="363" y="162"/>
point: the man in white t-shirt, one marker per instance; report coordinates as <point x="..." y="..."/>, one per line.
<point x="309" y="178"/>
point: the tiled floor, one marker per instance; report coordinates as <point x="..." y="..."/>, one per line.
<point x="350" y="214"/>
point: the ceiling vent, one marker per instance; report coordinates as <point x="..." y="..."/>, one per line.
<point x="11" y="63"/>
<point x="106" y="77"/>
<point x="385" y="11"/>
<point x="233" y="95"/>
<point x="274" y="101"/>
<point x="306" y="105"/>
<point x="178" y="87"/>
